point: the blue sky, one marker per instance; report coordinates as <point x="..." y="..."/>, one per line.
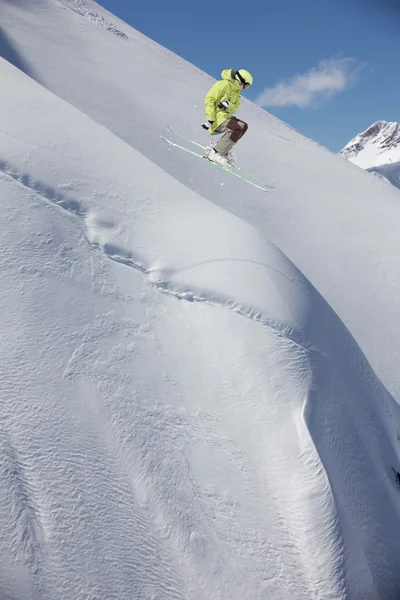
<point x="327" y="67"/>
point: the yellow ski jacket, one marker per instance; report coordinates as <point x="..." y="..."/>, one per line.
<point x="226" y="89"/>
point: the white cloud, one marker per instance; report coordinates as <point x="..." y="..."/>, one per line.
<point x="324" y="81"/>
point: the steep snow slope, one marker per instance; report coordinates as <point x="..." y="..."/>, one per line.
<point x="377" y="149"/>
<point x="188" y="419"/>
<point x="185" y="416"/>
<point x="322" y="206"/>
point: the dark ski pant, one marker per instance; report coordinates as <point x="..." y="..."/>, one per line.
<point x="233" y="130"/>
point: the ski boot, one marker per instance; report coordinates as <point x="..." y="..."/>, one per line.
<point x="208" y="148"/>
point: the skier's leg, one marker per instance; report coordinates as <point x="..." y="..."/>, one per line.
<point x="233" y="130"/>
<point x="244" y="127"/>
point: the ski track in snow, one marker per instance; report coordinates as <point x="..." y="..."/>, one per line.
<point x="126" y="258"/>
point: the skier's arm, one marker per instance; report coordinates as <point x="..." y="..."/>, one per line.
<point x="216" y="94"/>
<point x="233" y="108"/>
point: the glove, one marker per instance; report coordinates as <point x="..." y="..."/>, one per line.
<point x="207" y="125"/>
<point x="224" y="105"/>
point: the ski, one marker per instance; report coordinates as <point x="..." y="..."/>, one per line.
<point x="227" y="170"/>
<point x="233" y="165"/>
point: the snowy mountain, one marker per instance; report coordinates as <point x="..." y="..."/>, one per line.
<point x="199" y="380"/>
<point x="377" y="150"/>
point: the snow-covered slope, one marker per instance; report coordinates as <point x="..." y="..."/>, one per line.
<point x="377" y="150"/>
<point x="184" y="415"/>
<point x="135" y="87"/>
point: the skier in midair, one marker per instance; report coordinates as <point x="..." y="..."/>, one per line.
<point x="221" y="103"/>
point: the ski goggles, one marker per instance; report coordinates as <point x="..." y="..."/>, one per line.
<point x="244" y="83"/>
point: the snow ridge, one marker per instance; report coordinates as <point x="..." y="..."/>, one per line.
<point x="80" y="7"/>
<point x="157" y="278"/>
